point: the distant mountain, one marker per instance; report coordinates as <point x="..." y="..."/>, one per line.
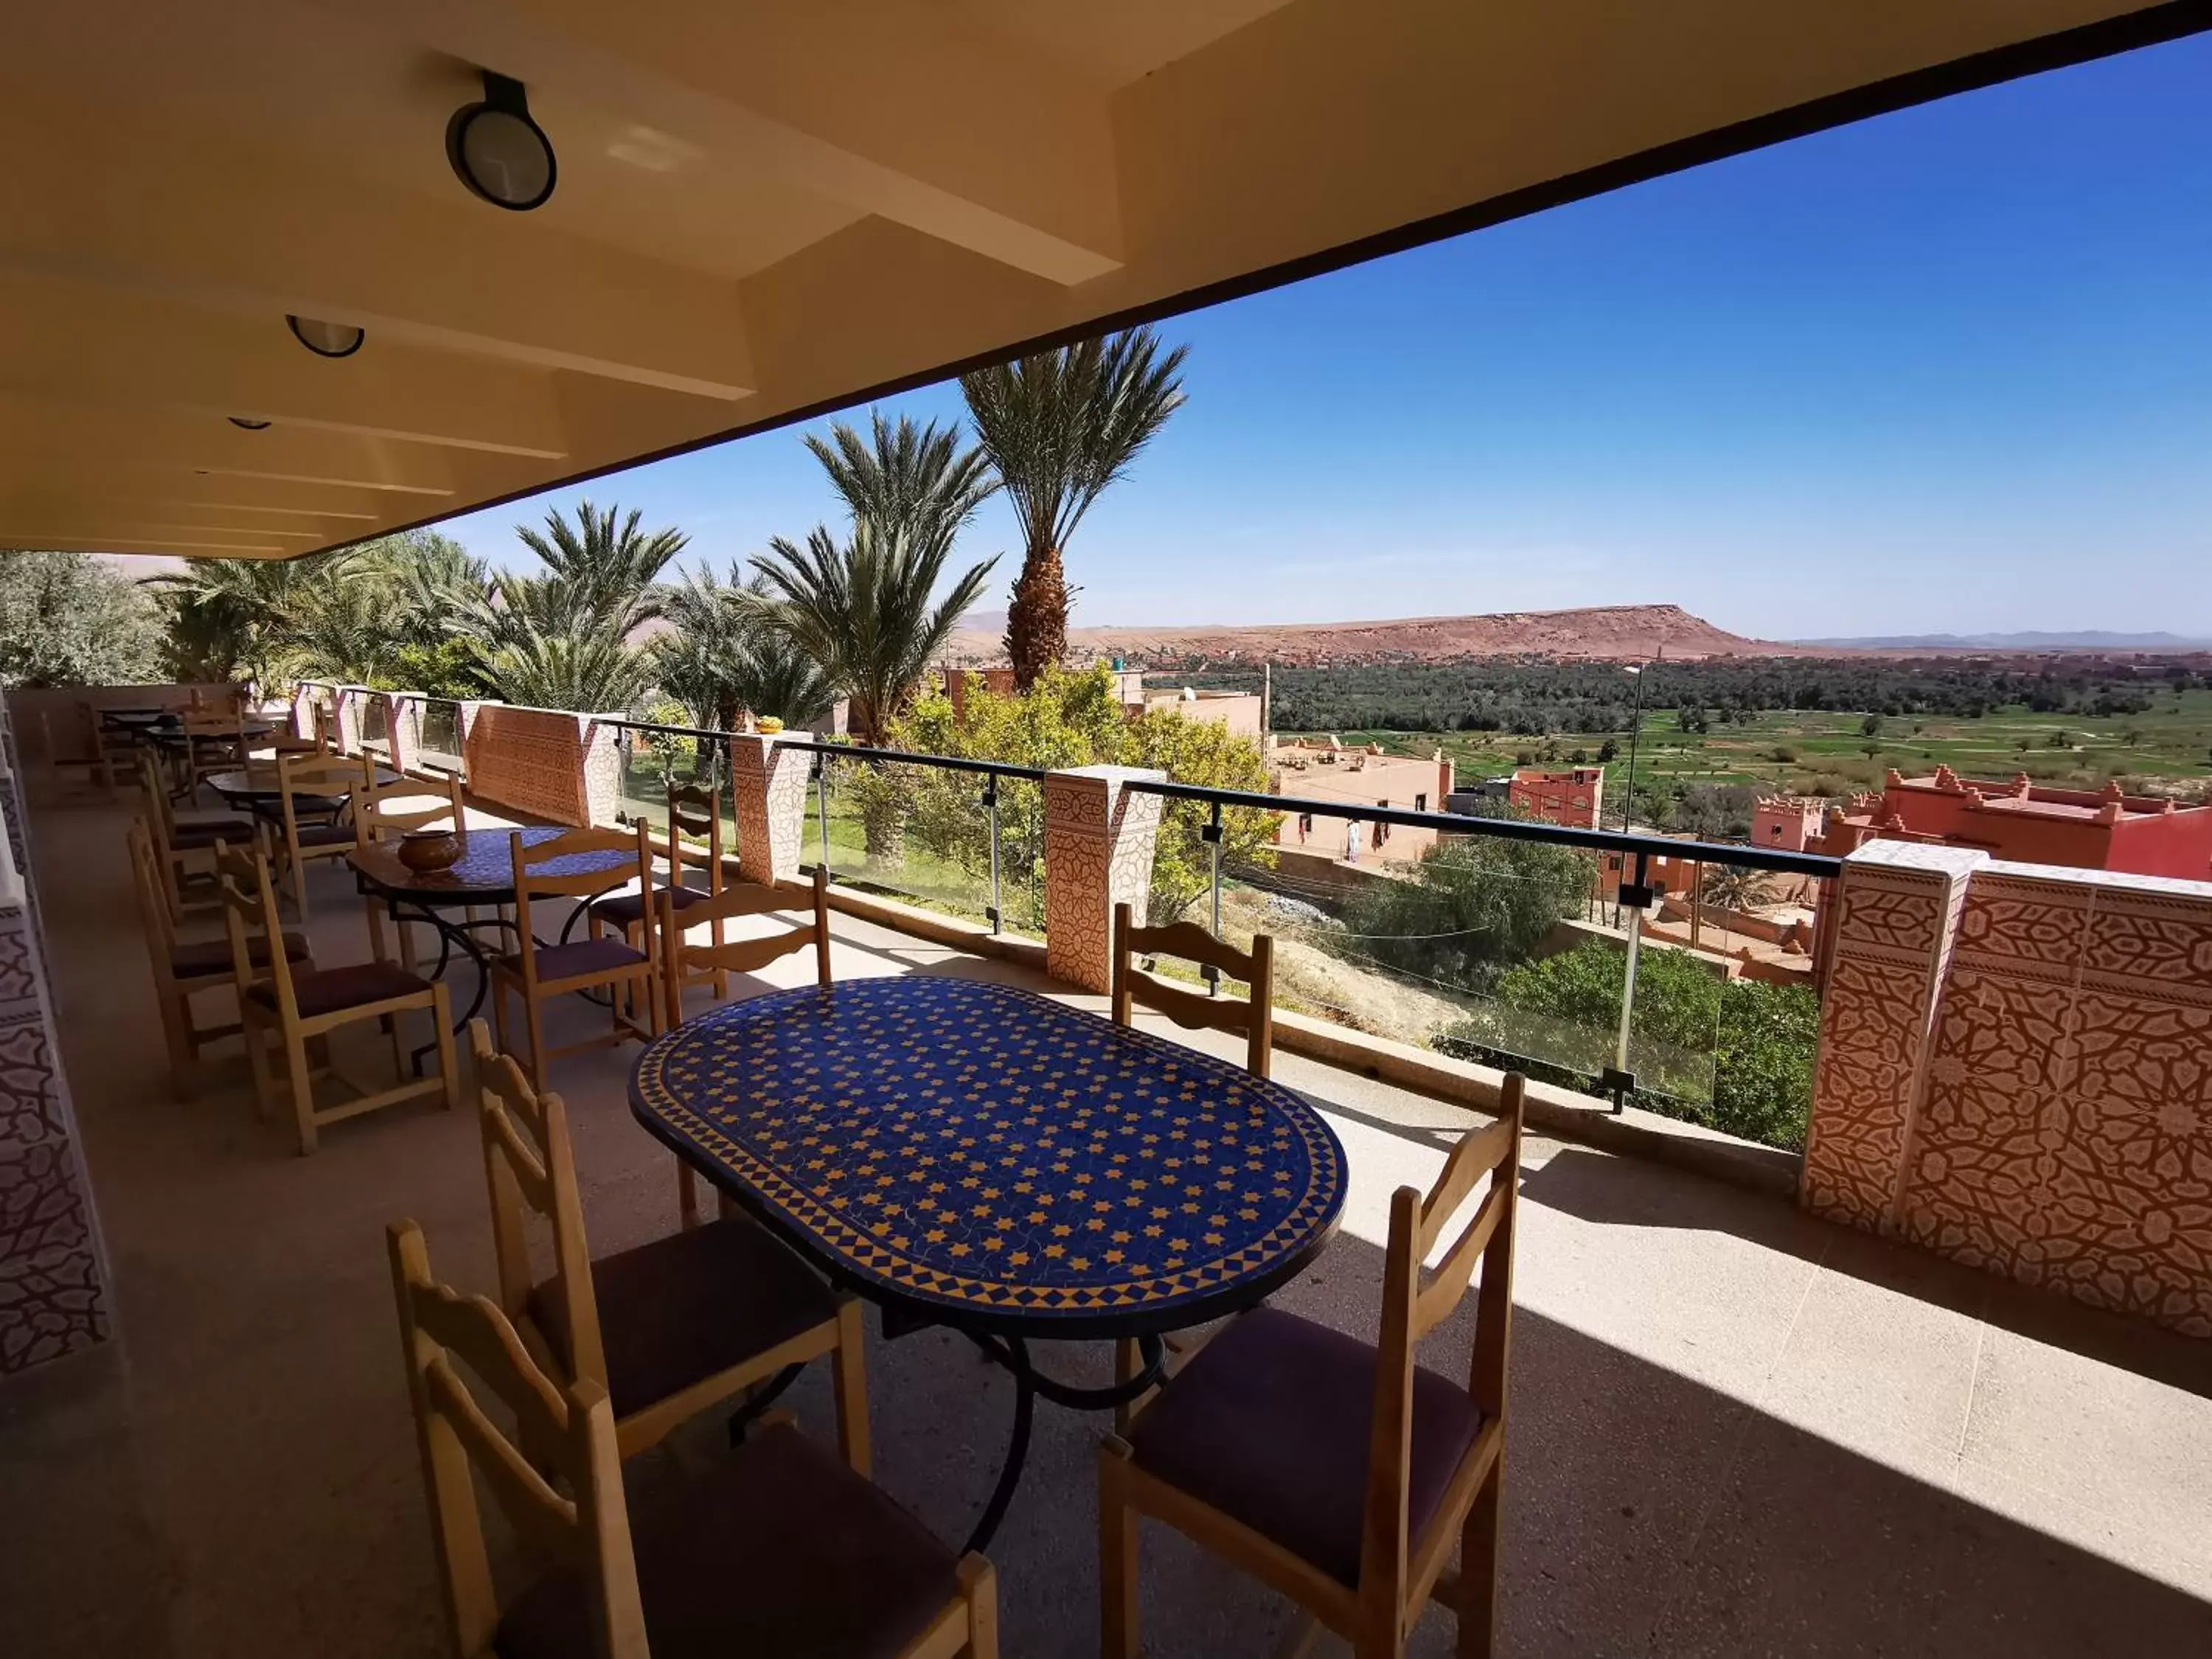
<point x="2085" y="640"/>
<point x="1620" y="633"/>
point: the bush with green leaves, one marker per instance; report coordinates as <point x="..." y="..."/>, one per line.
<point x="1472" y="908"/>
<point x="1760" y="1038"/>
<point x="1066" y="719"/>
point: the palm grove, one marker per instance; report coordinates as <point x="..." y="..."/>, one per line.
<point x="859" y="610"/>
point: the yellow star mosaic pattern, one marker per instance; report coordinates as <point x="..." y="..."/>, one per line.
<point x="989" y="1151"/>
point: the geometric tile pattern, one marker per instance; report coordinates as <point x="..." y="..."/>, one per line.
<point x="2067" y="1137"/>
<point x="531" y="759"/>
<point x="1896" y="914"/>
<point x="768" y="779"/>
<point x="999" y="1156"/>
<point x="53" y="1297"/>
<point x="1099" y="844"/>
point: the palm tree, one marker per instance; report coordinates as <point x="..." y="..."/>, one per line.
<point x="245" y="613"/>
<point x="861" y="610"/>
<point x="591" y="672"/>
<point x="909" y="475"/>
<point x="725" y="658"/>
<point x="433" y="581"/>
<point x="1059" y="427"/>
<point x="1732" y="888"/>
<point x="598" y="575"/>
<point x="562" y="639"/>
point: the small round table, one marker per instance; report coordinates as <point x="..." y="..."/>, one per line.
<point x="972" y="1155"/>
<point x="482" y="875"/>
<point x="243" y="789"/>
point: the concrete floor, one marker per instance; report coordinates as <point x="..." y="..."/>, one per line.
<point x="1734" y="1430"/>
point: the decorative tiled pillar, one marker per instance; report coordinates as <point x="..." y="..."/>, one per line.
<point x="403" y="728"/>
<point x="1897" y="915"/>
<point x="2066" y="1137"/>
<point x="603" y="770"/>
<point x="1098" y="839"/>
<point x="769" y="779"/>
<point x="53" y="1275"/>
<point x="347" y="715"/>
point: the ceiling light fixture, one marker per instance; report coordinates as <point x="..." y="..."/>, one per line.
<point x="498" y="151"/>
<point x="326" y="339"/>
<point x="241" y="421"/>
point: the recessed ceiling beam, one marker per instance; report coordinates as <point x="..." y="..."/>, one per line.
<point x="69" y="342"/>
<point x="891" y="107"/>
<point x="459" y="279"/>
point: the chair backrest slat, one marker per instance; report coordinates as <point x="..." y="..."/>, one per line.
<point x="436" y="803"/>
<point x="153" y="896"/>
<point x="1253" y="1018"/>
<point x="530" y="1168"/>
<point x="745" y="955"/>
<point x="1475" y="1157"/>
<point x="1441" y="1293"/>
<point x="1409" y="1310"/>
<point x="570" y="1435"/>
<point x="249" y="905"/>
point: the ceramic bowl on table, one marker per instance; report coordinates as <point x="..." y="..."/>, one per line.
<point x="428" y="851"/>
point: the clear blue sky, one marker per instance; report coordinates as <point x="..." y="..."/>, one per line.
<point x="1949" y="370"/>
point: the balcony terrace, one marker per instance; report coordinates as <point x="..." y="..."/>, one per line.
<point x="1733" y="1427"/>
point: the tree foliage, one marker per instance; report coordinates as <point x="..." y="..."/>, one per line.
<point x="1474" y="906"/>
<point x="1066" y="719"/>
<point x="1058" y="427"/>
<point x="1734" y="1055"/>
<point x="724" y="659"/>
<point x="68" y="619"/>
<point x="865" y="609"/>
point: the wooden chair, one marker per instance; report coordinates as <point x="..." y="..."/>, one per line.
<point x="1254" y="1019"/>
<point x="304" y="782"/>
<point x="184" y="847"/>
<point x="297" y="1007"/>
<point x="695" y="832"/>
<point x="183" y="970"/>
<point x="781" y="1549"/>
<point x="668" y="1328"/>
<point x="682" y="964"/>
<point x="213" y="741"/>
<point x="539" y="972"/>
<point x="413" y="800"/>
<point x="1342" y="1474"/>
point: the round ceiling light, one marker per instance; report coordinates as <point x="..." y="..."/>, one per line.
<point x="241" y="421"/>
<point x="498" y="151"/>
<point x="326" y="339"/>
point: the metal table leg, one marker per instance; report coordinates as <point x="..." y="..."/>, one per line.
<point x="1013" y="1354"/>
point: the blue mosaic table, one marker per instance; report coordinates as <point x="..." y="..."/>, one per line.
<point x="972" y="1155"/>
<point x="1002" y="1159"/>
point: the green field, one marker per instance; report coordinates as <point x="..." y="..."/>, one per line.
<point x="1826" y="752"/>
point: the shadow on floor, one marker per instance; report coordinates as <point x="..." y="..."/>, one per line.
<point x="1623" y="1192"/>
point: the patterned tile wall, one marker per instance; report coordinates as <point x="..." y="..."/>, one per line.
<point x="2034" y="1097"/>
<point x="53" y="1297"/>
<point x="770" y="782"/>
<point x="1896" y="914"/>
<point x="530" y="759"/>
<point x="2067" y="1138"/>
<point x="1099" y="843"/>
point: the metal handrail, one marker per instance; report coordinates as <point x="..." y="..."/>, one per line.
<point x="1457" y="824"/>
<point x="850" y="751"/>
